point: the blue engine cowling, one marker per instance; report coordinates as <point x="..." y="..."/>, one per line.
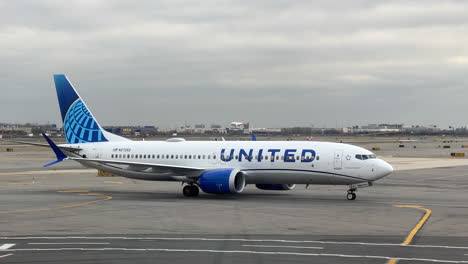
<point x="222" y="181"/>
<point x="276" y="187"/>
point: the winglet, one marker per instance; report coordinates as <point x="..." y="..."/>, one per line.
<point x="60" y="155"/>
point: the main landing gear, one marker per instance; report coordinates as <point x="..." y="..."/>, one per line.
<point x="190" y="190"/>
<point x="351" y="195"/>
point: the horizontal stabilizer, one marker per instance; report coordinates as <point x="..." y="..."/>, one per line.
<point x="59" y="153"/>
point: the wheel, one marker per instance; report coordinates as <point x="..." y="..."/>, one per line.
<point x="195" y="190"/>
<point x="351" y="196"/>
<point x="190" y="190"/>
<point x="187" y="191"/>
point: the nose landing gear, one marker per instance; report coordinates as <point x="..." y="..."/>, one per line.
<point x="190" y="190"/>
<point x="353" y="188"/>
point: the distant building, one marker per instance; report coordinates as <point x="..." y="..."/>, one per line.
<point x="238" y="128"/>
<point x="133" y="130"/>
<point x="266" y="130"/>
<point x="28" y="129"/>
<point x="376" y="128"/>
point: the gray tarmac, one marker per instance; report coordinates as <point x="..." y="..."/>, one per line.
<point x="68" y="214"/>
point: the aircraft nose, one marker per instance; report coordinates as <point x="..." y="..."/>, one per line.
<point x="384" y="169"/>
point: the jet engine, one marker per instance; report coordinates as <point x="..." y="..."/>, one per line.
<point x="276" y="187"/>
<point x="222" y="181"/>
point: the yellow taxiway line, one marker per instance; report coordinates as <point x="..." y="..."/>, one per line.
<point x="415" y="230"/>
<point x="115" y="182"/>
<point x="80" y="192"/>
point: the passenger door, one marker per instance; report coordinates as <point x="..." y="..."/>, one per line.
<point x="338" y="160"/>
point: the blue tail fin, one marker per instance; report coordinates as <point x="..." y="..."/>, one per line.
<point x="79" y="125"/>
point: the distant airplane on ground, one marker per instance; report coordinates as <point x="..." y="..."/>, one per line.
<point x="213" y="166"/>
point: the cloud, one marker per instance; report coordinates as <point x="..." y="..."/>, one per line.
<point x="274" y="63"/>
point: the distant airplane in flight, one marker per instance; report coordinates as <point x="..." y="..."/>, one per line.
<point x="212" y="166"/>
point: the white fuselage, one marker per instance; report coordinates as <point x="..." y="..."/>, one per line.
<point x="262" y="162"/>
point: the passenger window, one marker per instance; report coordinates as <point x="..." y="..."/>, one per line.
<point x="199" y="156"/>
<point x="185" y="157"/>
<point x="172" y="156"/>
<point x="157" y="156"/>
<point x="203" y="156"/>
<point x="214" y="156"/>
<point x="131" y="156"/>
<point x="128" y="156"/>
<point x="297" y="157"/>
<point x="209" y="156"/>
<point x="237" y="157"/>
<point x="318" y="157"/>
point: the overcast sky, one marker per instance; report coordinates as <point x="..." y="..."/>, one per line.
<point x="273" y="63"/>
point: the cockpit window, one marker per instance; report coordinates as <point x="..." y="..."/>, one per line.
<point x="365" y="157"/>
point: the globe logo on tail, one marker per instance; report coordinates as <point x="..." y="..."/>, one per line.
<point x="79" y="125"/>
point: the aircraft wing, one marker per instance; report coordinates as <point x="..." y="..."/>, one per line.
<point x="132" y="165"/>
<point x="42" y="145"/>
<point x="142" y="165"/>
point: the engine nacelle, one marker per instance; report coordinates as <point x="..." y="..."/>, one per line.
<point x="222" y="181"/>
<point x="276" y="187"/>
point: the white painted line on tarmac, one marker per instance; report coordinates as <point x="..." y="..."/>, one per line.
<point x="7" y="255"/>
<point x="6" y="246"/>
<point x="237" y="239"/>
<point x="241" y="252"/>
<point x="72" y="243"/>
<point x="272" y="246"/>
